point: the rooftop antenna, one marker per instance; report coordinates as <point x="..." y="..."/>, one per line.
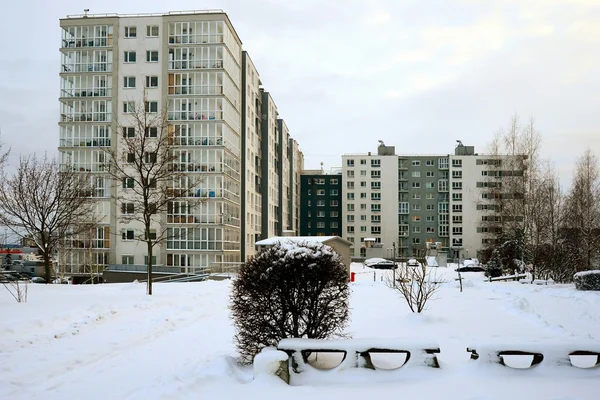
<point x="381" y="143"/>
<point x="85" y="12"/>
<point x="321" y="166"/>
<point x="459" y="143"/>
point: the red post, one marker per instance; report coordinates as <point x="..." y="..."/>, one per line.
<point x="352" y="274"/>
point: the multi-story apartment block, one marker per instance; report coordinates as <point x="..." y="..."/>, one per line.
<point x="411" y="202"/>
<point x="321" y="199"/>
<point x="191" y="66"/>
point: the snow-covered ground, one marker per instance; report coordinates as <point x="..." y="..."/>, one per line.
<point x="114" y="342"/>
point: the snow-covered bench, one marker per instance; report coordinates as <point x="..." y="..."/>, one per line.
<point x="359" y="353"/>
<point x="544" y="354"/>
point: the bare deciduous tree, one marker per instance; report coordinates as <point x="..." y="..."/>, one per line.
<point x="42" y="202"/>
<point x="416" y="284"/>
<point x="146" y="165"/>
<point x="582" y="213"/>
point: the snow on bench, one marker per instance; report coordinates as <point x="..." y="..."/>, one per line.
<point x="514" y="277"/>
<point x="543" y="353"/>
<point x="359" y="353"/>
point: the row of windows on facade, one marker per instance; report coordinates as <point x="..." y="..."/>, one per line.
<point x="376" y="230"/>
<point x="131" y="31"/>
<point x="415" y="174"/>
<point x="403" y="207"/>
<point x="442" y="163"/>
<point x="442" y="185"/>
<point x="321" y="181"/>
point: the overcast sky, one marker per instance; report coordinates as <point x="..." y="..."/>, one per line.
<point x="345" y="73"/>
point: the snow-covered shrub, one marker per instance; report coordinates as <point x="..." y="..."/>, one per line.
<point x="587" y="280"/>
<point x="494" y="267"/>
<point x="289" y="291"/>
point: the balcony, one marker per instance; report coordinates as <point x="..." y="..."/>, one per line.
<point x="86" y="117"/>
<point x="86" y="92"/>
<point x="195" y="39"/>
<point x="196" y="141"/>
<point x="87" y="67"/>
<point x="85" y="142"/>
<point x="195" y="64"/>
<point x="193" y="116"/>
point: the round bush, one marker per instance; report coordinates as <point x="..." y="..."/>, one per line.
<point x="289" y="291"/>
<point x="587" y="280"/>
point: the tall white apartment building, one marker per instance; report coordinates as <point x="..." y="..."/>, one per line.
<point x="190" y="64"/>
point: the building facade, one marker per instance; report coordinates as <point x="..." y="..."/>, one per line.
<point x="191" y="66"/>
<point x="412" y="203"/>
<point x="321" y="204"/>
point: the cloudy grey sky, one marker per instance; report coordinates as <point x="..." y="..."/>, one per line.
<point x="344" y="73"/>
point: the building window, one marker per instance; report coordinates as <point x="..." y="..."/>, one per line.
<point x="430" y="218"/>
<point x="152" y="81"/>
<point x="350" y="218"/>
<point x="429" y="185"/>
<point x="416" y="218"/>
<point x="350" y="207"/>
<point x="153" y="260"/>
<point x="416" y="207"/>
<point x="416" y="174"/>
<point x="127" y="234"/>
<point x="375" y="218"/>
<point x="152" y="106"/>
<point x="151" y="55"/>
<point x="350" y="196"/>
<point x="430" y="229"/>
<point x="350" y="163"/>
<point x="152" y="30"/>
<point x="456" y="196"/>
<point x="416" y="240"/>
<point x="320" y="192"/>
<point x="375" y="207"/>
<point x="350" y="229"/>
<point x="130" y="157"/>
<point x="430" y="207"/>
<point x="128" y="107"/>
<point x="333" y="192"/>
<point x="416" y="229"/>
<point x="320" y="225"/>
<point x="376" y="230"/>
<point x="129" y="57"/>
<point x="128" y="183"/>
<point x="376" y="196"/>
<point x="151" y="131"/>
<point x="127" y="260"/>
<point x="457" y="230"/>
<point x="333" y="181"/>
<point x="443" y="163"/>
<point x="321" y="203"/>
<point x="457" y="185"/>
<point x="350" y="174"/>
<point x="429" y="163"/>
<point x="416" y="185"/>
<point x="350" y="185"/>
<point x="457" y="219"/>
<point x="333" y="214"/>
<point x="456" y="207"/>
<point x="333" y="225"/>
<point x="430" y="174"/>
<point x="376" y="174"/>
<point x="363" y="195"/>
<point x="375" y="163"/>
<point x="127" y="208"/>
<point x="416" y="196"/>
<point x="363" y="184"/>
<point x="375" y="185"/>
<point x="363" y="161"/>
<point x="130" y="32"/>
<point x="129" y="82"/>
<point x="403" y="208"/>
<point x="416" y="163"/>
<point x="429" y="196"/>
<point x="333" y="203"/>
<point x="363" y="206"/>
<point x="128" y="131"/>
<point x="456" y="163"/>
<point x="457" y="174"/>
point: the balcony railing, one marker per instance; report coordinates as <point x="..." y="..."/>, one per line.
<point x="196" y="39"/>
<point x="86" y="117"/>
<point x="82" y="92"/>
<point x="194" y="116"/>
<point x="195" y="90"/>
<point x="194" y="64"/>
<point x="91" y="67"/>
<point x="97" y="42"/>
<point x="197" y="141"/>
<point x="85" y="142"/>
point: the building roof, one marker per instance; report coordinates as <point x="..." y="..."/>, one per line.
<point x="298" y="239"/>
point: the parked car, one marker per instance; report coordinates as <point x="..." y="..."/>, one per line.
<point x="413" y="263"/>
<point x="380" y="263"/>
<point x="38" y="279"/>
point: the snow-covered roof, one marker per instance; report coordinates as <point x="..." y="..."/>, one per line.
<point x="297" y="239"/>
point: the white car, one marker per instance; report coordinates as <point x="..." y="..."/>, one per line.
<point x="413" y="263"/>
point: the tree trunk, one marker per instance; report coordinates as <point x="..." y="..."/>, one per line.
<point x="149" y="243"/>
<point x="47" y="267"/>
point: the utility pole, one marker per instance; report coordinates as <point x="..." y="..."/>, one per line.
<point x="394" y="260"/>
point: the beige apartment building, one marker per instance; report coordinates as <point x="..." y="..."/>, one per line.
<point x="192" y="65"/>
